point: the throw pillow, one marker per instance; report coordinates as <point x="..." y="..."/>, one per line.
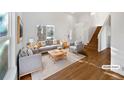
<point x="72" y="43"/>
<point x="58" y="42"/>
<point x="29" y="52"/>
<point x="39" y="44"/>
<point x="78" y="42"/>
<point x="23" y="52"/>
<point x="54" y="42"/>
<point x="49" y="42"/>
<point x="43" y="43"/>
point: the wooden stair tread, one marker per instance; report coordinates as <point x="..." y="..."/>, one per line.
<point x="93" y="44"/>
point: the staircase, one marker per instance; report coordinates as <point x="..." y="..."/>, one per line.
<point x="93" y="44"/>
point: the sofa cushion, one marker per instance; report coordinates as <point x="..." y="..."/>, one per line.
<point x="49" y="42"/>
<point x="46" y="48"/>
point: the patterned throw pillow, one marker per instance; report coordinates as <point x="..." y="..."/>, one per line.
<point x="58" y="41"/>
<point x="39" y="44"/>
<point x="49" y="42"/>
<point x="25" y="52"/>
<point x="43" y="43"/>
<point x="29" y="52"/>
<point x="54" y="42"/>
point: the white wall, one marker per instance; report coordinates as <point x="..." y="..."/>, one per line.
<point x="117" y="39"/>
<point x="62" y="21"/>
<point x="100" y="17"/>
<point x="81" y="24"/>
<point x="84" y="27"/>
<point x="105" y="35"/>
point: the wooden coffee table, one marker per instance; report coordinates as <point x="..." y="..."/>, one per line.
<point x="57" y="54"/>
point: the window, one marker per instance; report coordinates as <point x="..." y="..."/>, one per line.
<point x="50" y="31"/>
<point x="4" y="44"/>
<point x="3" y="24"/>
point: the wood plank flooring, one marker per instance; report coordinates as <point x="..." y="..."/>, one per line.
<point x="26" y="77"/>
<point x="88" y="68"/>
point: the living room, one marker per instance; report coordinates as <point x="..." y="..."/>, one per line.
<point x="66" y="28"/>
<point x="47" y="42"/>
<point x="61" y="46"/>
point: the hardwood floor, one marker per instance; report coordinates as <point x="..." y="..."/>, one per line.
<point x="93" y="44"/>
<point x="26" y="77"/>
<point x="88" y="68"/>
<point x="95" y="57"/>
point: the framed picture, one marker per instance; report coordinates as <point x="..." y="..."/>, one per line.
<point x="19" y="29"/>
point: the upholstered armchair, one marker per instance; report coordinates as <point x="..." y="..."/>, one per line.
<point x="77" y="47"/>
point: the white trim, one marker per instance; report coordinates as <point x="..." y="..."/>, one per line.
<point x="9" y="34"/>
<point x="104" y="32"/>
<point x="12" y="70"/>
<point x="11" y="74"/>
<point x="13" y="40"/>
<point x="8" y="37"/>
<point x="4" y="38"/>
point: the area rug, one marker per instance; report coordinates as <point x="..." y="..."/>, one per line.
<point x="50" y="68"/>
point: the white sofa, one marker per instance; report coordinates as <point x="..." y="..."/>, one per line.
<point x="29" y="64"/>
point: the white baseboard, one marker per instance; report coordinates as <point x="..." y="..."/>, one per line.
<point x="11" y="74"/>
